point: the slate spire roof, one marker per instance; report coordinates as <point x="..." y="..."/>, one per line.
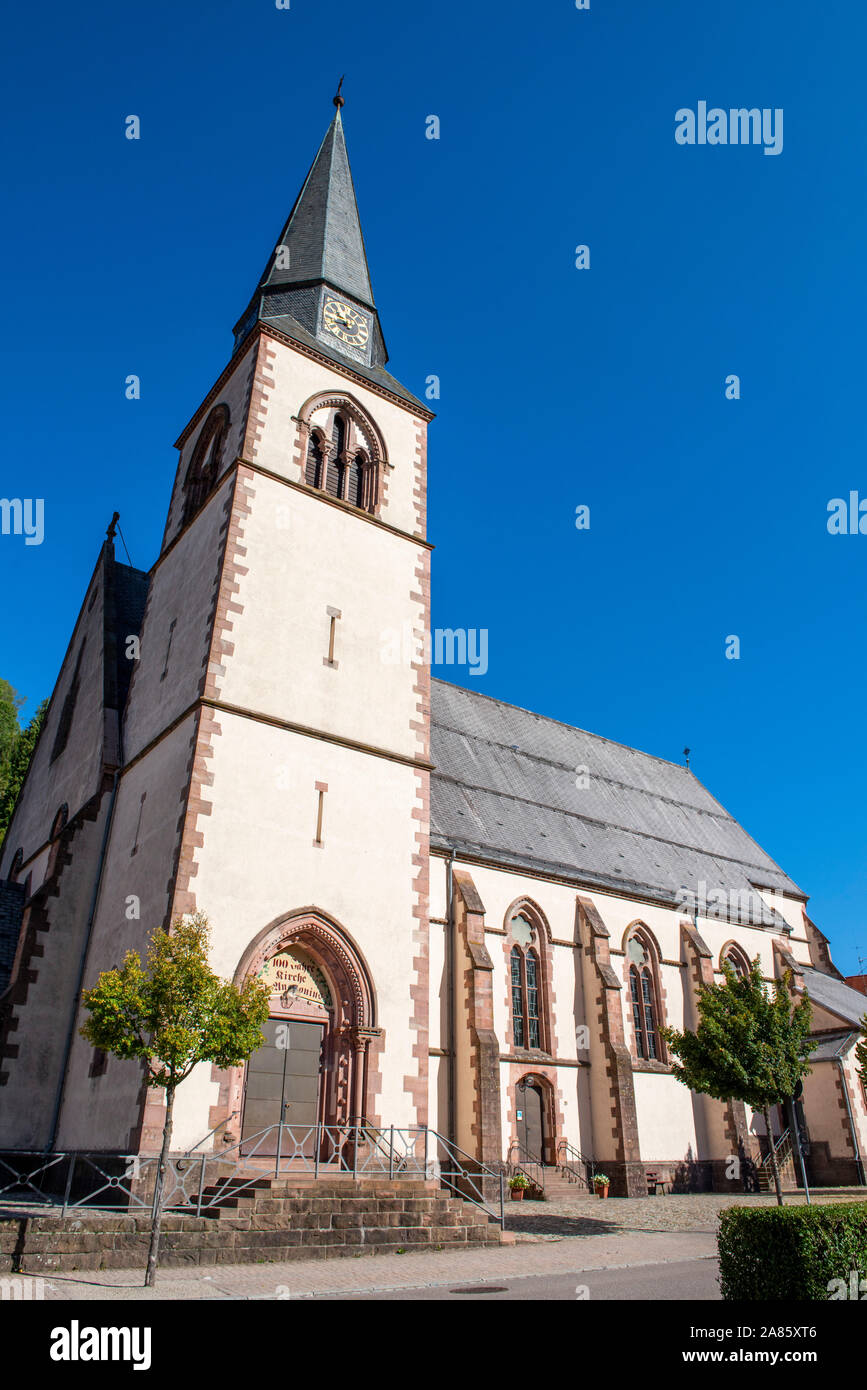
<point x="323" y="233"/>
<point x="320" y="256"/>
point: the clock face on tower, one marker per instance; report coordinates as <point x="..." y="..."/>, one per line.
<point x="345" y="322"/>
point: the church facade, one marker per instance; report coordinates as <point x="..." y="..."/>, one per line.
<point x="471" y="917"/>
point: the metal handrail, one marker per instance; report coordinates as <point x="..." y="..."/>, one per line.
<point x="775" y="1147"/>
<point x="463" y="1176"/>
<point x="587" y="1164"/>
<point x="227" y="1121"/>
<point x="526" y="1156"/>
<point x="115" y="1181"/>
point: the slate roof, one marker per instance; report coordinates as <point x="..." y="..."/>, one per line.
<point x="323" y="233"/>
<point x="836" y="996"/>
<point x="378" y="375"/>
<point x="505" y="790"/>
<point x="833" y="1045"/>
<point x="325" y="243"/>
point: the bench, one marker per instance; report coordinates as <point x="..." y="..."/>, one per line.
<point x="654" y="1183"/>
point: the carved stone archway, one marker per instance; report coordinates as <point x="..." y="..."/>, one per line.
<point x="351" y="1035"/>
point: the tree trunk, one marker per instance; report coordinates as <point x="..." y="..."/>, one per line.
<point x="154" y="1251"/>
<point x="766" y="1116"/>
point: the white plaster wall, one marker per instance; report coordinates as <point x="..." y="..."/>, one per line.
<point x="182" y="589"/>
<point x="259" y="862"/>
<point x="100" y="1111"/>
<point x="666" y="1121"/>
<point x="304" y="557"/>
<point x="297" y="378"/>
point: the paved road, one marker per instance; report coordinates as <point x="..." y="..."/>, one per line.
<point x="649" y="1260"/>
<point x="685" y="1279"/>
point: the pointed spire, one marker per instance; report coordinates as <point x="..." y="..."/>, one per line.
<point x="316" y="286"/>
<point x="322" y="239"/>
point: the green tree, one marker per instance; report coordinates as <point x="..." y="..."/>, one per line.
<point x="750" y="1045"/>
<point x="10" y="704"/>
<point x="861" y="1050"/>
<point x="174" y="1014"/>
<point x="19" y="762"/>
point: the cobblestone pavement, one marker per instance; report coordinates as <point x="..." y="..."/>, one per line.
<point x="696" y="1211"/>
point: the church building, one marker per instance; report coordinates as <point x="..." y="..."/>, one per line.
<point x="461" y="933"/>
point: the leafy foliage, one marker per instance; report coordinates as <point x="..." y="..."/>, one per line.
<point x="176" y="1012"/>
<point x="15" y="770"/>
<point x="750" y="1044"/>
<point x="10" y="704"/>
<point x="785" y="1253"/>
<point x="861" y="1049"/>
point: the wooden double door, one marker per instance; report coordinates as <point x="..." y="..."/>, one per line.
<point x="283" y="1081"/>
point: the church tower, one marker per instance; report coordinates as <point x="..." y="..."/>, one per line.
<point x="276" y="737"/>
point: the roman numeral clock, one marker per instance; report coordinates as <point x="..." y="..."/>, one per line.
<point x="346" y="323"/>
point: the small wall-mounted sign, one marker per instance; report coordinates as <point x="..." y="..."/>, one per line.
<point x="520" y="1114"/>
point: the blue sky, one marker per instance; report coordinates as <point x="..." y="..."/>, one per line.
<point x="560" y="387"/>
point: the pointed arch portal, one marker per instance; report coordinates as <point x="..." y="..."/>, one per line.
<point x="313" y="1067"/>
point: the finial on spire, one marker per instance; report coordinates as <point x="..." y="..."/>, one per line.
<point x="112" y="526"/>
<point x="339" y="100"/>
<point x="686" y="753"/>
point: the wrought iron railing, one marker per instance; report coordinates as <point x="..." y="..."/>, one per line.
<point x="521" y="1161"/>
<point x="575" y="1166"/>
<point x="782" y="1150"/>
<point x="205" y="1181"/>
<point x="475" y="1182"/>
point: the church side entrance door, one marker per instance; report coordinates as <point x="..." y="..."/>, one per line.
<point x="283" y="1083"/>
<point x="531" y="1127"/>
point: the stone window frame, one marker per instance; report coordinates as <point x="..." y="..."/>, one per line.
<point x="650" y="973"/>
<point x="541" y="946"/>
<point x="737" y="957"/>
<point x="200" y="481"/>
<point x="370" y="456"/>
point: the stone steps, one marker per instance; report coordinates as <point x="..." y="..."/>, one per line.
<point x="270" y="1220"/>
<point x="562" y="1190"/>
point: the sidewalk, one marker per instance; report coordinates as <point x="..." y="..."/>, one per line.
<point x="382" y="1273"/>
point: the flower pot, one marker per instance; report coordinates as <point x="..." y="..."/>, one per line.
<point x="517" y="1194"/>
<point x="602" y="1191"/>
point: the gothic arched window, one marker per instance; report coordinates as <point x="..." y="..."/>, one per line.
<point x="733" y="955"/>
<point x="204" y="468"/>
<point x="643" y="997"/>
<point x="525" y="976"/>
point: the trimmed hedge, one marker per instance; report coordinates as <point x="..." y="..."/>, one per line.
<point x="775" y="1253"/>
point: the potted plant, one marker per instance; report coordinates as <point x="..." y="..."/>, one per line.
<point x="518" y="1186"/>
<point x="602" y="1182"/>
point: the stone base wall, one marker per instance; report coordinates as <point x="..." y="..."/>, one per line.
<point x="278" y="1221"/>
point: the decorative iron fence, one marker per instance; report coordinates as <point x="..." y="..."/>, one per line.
<point x="199" y="1182"/>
